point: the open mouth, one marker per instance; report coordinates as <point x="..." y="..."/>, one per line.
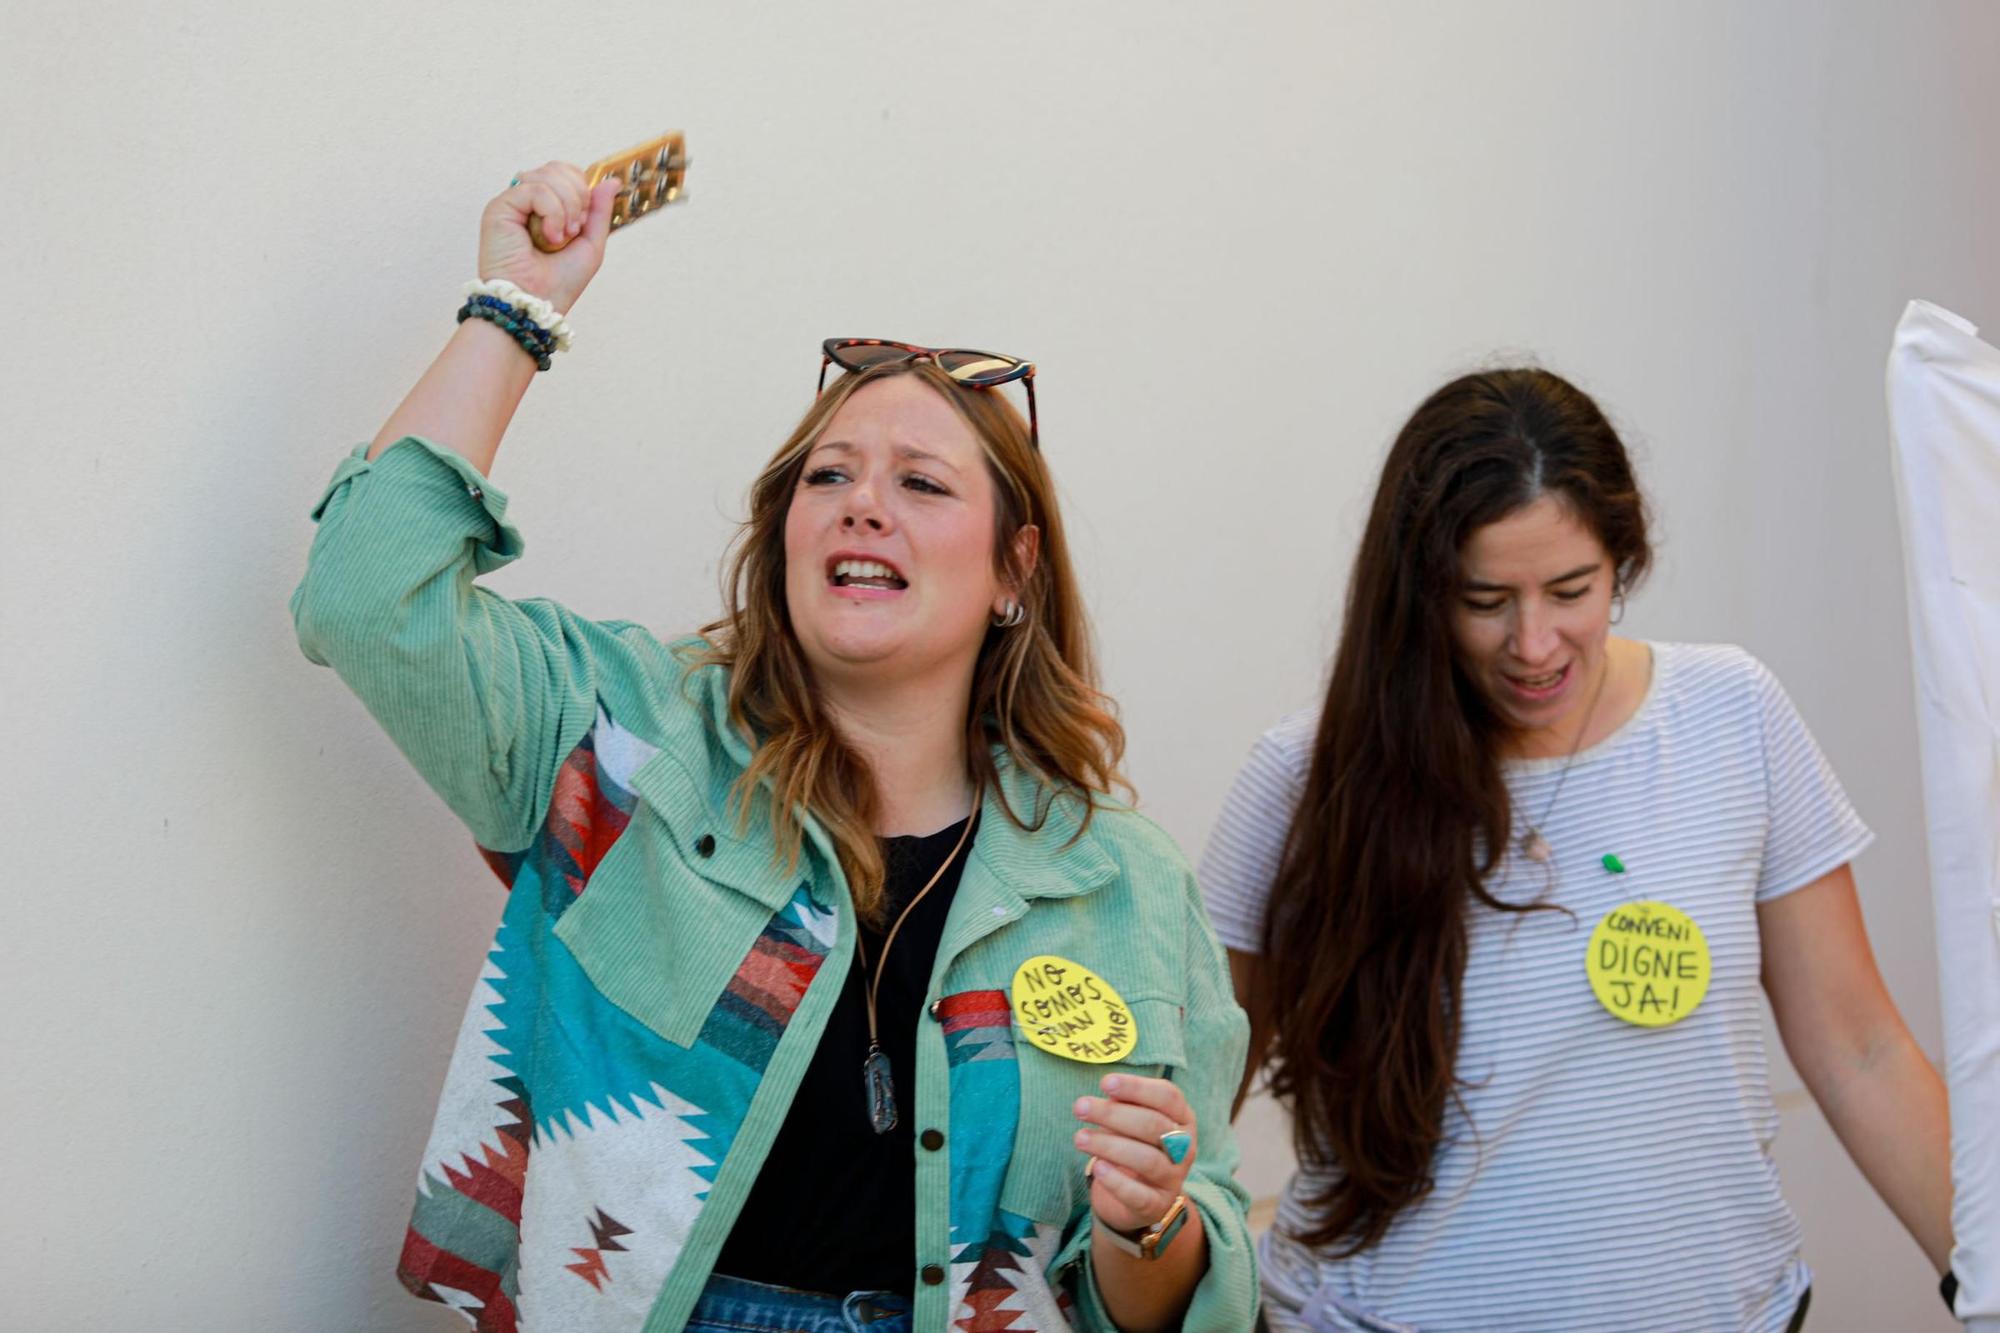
<point x="1540" y="686"/>
<point x="866" y="574"/>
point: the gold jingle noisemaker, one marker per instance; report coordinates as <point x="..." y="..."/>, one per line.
<point x="653" y="175"/>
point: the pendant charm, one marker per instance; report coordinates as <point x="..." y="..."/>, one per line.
<point x="1535" y="847"/>
<point x="875" y="1076"/>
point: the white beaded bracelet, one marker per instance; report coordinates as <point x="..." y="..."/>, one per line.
<point x="526" y="303"/>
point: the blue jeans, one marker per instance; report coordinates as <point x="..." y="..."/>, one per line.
<point x="732" y="1305"/>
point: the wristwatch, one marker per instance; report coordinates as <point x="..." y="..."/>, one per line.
<point x="1151" y="1242"/>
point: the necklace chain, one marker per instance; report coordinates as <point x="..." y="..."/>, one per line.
<point x="1533" y="843"/>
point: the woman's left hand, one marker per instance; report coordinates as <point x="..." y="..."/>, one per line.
<point x="1133" y="1182"/>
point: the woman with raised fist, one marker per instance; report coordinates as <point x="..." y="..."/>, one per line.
<point x="833" y="989"/>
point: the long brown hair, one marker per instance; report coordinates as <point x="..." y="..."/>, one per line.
<point x="1034" y="686"/>
<point x="1405" y="810"/>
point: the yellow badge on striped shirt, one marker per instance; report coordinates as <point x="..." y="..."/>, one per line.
<point x="1066" y="1009"/>
<point x="1648" y="963"/>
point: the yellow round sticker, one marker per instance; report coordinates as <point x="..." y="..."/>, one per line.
<point x="1648" y="963"/>
<point x="1066" y="1009"/>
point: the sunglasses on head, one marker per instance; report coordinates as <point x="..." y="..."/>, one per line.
<point x="975" y="370"/>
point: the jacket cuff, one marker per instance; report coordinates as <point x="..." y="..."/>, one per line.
<point x="1224" y="1300"/>
<point x="437" y="487"/>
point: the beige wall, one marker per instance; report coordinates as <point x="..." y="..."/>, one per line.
<point x="1241" y="240"/>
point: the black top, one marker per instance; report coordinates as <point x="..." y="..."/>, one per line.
<point x="835" y="1207"/>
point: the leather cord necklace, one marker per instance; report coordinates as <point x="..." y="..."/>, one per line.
<point x="877" y="1078"/>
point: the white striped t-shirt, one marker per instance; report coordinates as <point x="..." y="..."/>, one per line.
<point x="1599" y="1175"/>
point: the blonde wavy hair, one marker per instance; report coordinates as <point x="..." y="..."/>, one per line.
<point x="1034" y="686"/>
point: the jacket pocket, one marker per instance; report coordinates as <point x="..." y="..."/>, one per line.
<point x="1045" y="1179"/>
<point x="673" y="910"/>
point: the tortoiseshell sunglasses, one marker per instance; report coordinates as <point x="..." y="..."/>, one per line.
<point x="975" y="370"/>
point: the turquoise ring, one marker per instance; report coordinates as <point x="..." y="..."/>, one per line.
<point x="1175" y="1144"/>
<point x="512" y="183"/>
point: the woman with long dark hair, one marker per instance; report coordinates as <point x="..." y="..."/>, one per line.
<point x="833" y="989"/>
<point x="1500" y="910"/>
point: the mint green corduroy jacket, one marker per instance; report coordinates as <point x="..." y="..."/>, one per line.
<point x="660" y="977"/>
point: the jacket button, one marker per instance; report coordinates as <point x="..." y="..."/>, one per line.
<point x="937" y="1011"/>
<point x="932" y="1275"/>
<point x="705" y="844"/>
<point x="931" y="1139"/>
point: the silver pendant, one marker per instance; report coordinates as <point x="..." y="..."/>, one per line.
<point x="881" y="1086"/>
<point x="1535" y="847"/>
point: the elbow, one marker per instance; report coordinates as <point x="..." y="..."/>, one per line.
<point x="1833" y="1063"/>
<point x="334" y="624"/>
<point x="309" y="625"/>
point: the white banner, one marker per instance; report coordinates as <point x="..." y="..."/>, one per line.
<point x="1944" y="413"/>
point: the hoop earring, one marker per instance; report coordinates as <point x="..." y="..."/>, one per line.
<point x="1617" y="607"/>
<point x="1012" y="616"/>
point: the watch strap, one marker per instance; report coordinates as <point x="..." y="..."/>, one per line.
<point x="1151" y="1242"/>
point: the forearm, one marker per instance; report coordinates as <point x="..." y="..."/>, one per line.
<point x="1145" y="1294"/>
<point x="1887" y="1104"/>
<point x="466" y="398"/>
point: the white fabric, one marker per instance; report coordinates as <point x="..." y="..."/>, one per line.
<point x="1944" y="410"/>
<point x="1593" y="1174"/>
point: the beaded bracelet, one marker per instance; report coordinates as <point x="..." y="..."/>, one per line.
<point x="523" y="332"/>
<point x="525" y="303"/>
<point x="545" y="341"/>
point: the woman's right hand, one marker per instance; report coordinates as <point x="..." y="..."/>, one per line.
<point x="467" y="397"/>
<point x="556" y="194"/>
